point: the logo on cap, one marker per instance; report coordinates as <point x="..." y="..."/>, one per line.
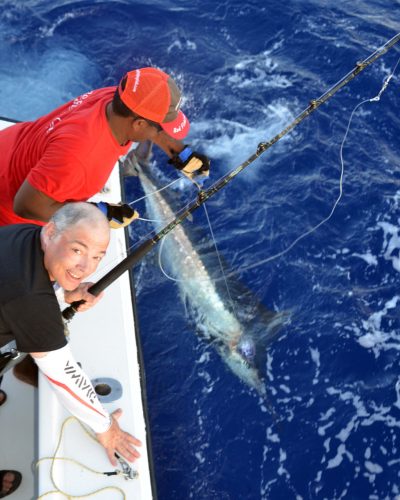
<point x="181" y="126"/>
<point x="136" y="82"/>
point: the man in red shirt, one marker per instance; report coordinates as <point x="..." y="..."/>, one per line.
<point x="68" y="154"/>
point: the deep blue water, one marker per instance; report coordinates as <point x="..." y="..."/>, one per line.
<point x="247" y="69"/>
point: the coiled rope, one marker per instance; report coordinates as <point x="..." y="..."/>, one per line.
<point x="54" y="459"/>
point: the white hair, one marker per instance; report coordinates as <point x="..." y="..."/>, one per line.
<point x="73" y="213"/>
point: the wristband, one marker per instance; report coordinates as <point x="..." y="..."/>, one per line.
<point x="185" y="153"/>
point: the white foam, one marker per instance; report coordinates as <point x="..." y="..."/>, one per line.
<point x="327" y="414"/>
<point x="204" y="358"/>
<point x="397" y="388"/>
<point x="375" y="338"/>
<point x="272" y="436"/>
<point x="391" y="243"/>
<point x="233" y="142"/>
<point x="257" y="71"/>
<point x="181" y="45"/>
<point x="368" y="258"/>
<point x="373" y="468"/>
<point x="315" y="356"/>
<point x="48" y="31"/>
<point x="367" y="413"/>
<point x="337" y="460"/>
<point x="344" y="434"/>
<point x="200" y="457"/>
<point x="282" y="458"/>
<point x="327" y="444"/>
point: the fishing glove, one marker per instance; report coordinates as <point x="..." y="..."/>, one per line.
<point x="191" y="163"/>
<point x="119" y="215"/>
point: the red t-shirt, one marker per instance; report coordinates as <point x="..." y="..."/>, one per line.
<point x="68" y="154"/>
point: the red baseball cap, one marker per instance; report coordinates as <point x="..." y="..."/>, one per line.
<point x="152" y="94"/>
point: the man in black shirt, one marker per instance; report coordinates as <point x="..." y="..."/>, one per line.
<point x="32" y="260"/>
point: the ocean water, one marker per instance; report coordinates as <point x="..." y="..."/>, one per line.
<point x="247" y="68"/>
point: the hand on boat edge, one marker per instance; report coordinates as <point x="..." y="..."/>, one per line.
<point x="117" y="440"/>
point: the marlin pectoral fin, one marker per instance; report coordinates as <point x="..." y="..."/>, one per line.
<point x="137" y="158"/>
<point x="130" y="166"/>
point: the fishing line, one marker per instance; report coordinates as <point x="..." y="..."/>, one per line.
<point x="272" y="257"/>
<point x="146" y="246"/>
<point x="326" y="219"/>
<point x="136" y="244"/>
<point x="177" y="280"/>
<point x="154" y="192"/>
<point x="310" y="231"/>
<point x="152" y="220"/>
<point x="219" y="259"/>
<point x="122" y="254"/>
<point x="160" y="261"/>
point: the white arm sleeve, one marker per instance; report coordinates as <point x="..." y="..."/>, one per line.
<point x="73" y="388"/>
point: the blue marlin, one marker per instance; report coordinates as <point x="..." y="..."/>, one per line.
<point x="214" y="317"/>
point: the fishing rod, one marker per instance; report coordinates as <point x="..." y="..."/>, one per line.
<point x="204" y="195"/>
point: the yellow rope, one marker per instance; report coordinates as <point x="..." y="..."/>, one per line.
<point x="54" y="459"/>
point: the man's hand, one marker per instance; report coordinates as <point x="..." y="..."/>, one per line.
<point x="119" y="215"/>
<point x="81" y="293"/>
<point x="191" y="163"/>
<point x="116" y="440"/>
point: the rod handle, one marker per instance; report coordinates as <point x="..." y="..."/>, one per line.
<point x="69" y="312"/>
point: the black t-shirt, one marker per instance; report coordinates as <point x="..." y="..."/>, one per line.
<point x="29" y="310"/>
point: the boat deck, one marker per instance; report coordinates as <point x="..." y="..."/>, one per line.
<point x="18" y="424"/>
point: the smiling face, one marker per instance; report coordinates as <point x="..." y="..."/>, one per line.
<point x="72" y="255"/>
